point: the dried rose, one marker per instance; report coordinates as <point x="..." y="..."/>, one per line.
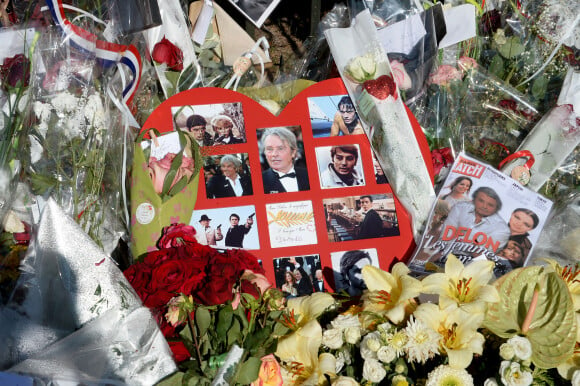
<point x="490" y="21"/>
<point x="444" y="75"/>
<point x="15" y="71"/>
<point x="168" y="53"/>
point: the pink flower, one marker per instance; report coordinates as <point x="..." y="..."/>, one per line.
<point x="466" y="63"/>
<point x="400" y="75"/>
<point x="158" y="170"/>
<point x="444" y="75"/>
<point x="270" y="374"/>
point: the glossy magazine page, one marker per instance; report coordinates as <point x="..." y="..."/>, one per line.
<point x="481" y="213"/>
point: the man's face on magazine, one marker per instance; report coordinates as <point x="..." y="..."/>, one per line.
<point x="484" y="205"/>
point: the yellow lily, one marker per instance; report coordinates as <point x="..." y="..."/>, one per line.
<point x="307" y="308"/>
<point x="390" y="294"/>
<point x="299" y="354"/>
<point x="465" y="287"/>
<point x="459" y="336"/>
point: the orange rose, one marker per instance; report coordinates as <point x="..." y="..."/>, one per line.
<point x="270" y="374"/>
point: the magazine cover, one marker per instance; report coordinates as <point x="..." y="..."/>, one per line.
<point x="302" y="191"/>
<point x="481" y="213"/>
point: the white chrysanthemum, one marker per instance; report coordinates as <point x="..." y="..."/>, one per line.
<point x="398" y="340"/>
<point x="345" y="321"/>
<point x="522" y="347"/>
<point x="332" y="338"/>
<point x="94" y="112"/>
<point x="446" y="376"/>
<point x="65" y="102"/>
<point x="386" y="354"/>
<point x="423" y="341"/>
<point x="374" y="371"/>
<point x="512" y="374"/>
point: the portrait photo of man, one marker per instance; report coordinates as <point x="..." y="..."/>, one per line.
<point x="280" y="149"/>
<point x="480" y="215"/>
<point x="205" y="234"/>
<point x="230" y="180"/>
<point x="343" y="169"/>
<point x="196" y="125"/>
<point x="346" y="120"/>
<point x="348" y="267"/>
<point x="236" y="232"/>
<point x="372" y="224"/>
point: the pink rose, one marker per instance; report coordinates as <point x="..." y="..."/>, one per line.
<point x="400" y="75"/>
<point x="466" y="63"/>
<point x="444" y="75"/>
<point x="158" y="170"/>
<point x="270" y="374"/>
<point x="168" y="53"/>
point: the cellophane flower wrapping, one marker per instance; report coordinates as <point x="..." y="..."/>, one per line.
<point x="369" y="80"/>
<point x="74" y="317"/>
<point x="495" y="123"/>
<point x="73" y="138"/>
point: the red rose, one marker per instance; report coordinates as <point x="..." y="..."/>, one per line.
<point x="441" y="158"/>
<point x="168" y="53"/>
<point x="172" y="275"/>
<point x="15" y="71"/>
<point x="223" y="273"/>
<point x="180" y="352"/>
<point x="176" y="235"/>
<point x="139" y="276"/>
<point x="246" y="260"/>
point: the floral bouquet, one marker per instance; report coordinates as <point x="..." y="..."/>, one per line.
<point x="519" y="330"/>
<point x="369" y="80"/>
<point x="210" y="305"/>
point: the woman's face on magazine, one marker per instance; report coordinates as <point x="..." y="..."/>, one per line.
<point x="521" y="223"/>
<point x="462" y="187"/>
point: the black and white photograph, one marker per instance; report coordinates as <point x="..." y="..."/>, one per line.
<point x="348" y="265"/>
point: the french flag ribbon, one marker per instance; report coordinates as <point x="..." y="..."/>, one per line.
<point x="109" y="53"/>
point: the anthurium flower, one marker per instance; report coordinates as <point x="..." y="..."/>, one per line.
<point x="459" y="336"/>
<point x="467" y="287"/>
<point x="390" y="294"/>
<point x="571" y="276"/>
<point x="299" y="353"/>
<point x="307" y="308"/>
<point x="361" y="68"/>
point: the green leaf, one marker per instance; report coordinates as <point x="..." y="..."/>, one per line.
<point x="175" y="379"/>
<point x="234" y="333"/>
<point x="496" y="66"/>
<point x="249" y="371"/>
<point x="512" y="48"/>
<point x="540" y="86"/>
<point x="202" y="320"/>
<point x="552" y="331"/>
<point x="224" y="322"/>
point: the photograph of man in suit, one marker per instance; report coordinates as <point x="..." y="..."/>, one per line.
<point x="229" y="183"/>
<point x="318" y="281"/>
<point x="205" y="234"/>
<point x="196" y="125"/>
<point x="372" y="224"/>
<point x="236" y="233"/>
<point x="280" y="149"/>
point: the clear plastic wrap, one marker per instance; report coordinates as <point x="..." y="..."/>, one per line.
<point x="74" y="317"/>
<point x="72" y="132"/>
<point x="369" y="80"/>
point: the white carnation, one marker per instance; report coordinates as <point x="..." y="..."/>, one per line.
<point x="522" y="347"/>
<point x="373" y="371"/>
<point x="344" y="381"/>
<point x="343" y="357"/>
<point x="332" y="338"/>
<point x="367" y="351"/>
<point x="490" y="382"/>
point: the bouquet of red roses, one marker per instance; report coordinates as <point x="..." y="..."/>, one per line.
<point x="206" y="301"/>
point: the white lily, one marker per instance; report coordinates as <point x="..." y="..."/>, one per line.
<point x="307" y="308"/>
<point x="390" y="294"/>
<point x="466" y="287"/>
<point x="459" y="336"/>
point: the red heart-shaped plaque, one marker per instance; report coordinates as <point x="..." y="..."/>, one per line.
<point x="381" y="87"/>
<point x="313" y="228"/>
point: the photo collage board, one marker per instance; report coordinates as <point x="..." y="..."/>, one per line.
<point x="302" y="190"/>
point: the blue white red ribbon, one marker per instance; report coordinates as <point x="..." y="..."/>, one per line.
<point x="108" y="53"/>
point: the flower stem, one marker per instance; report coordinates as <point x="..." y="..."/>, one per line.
<point x="194" y="337"/>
